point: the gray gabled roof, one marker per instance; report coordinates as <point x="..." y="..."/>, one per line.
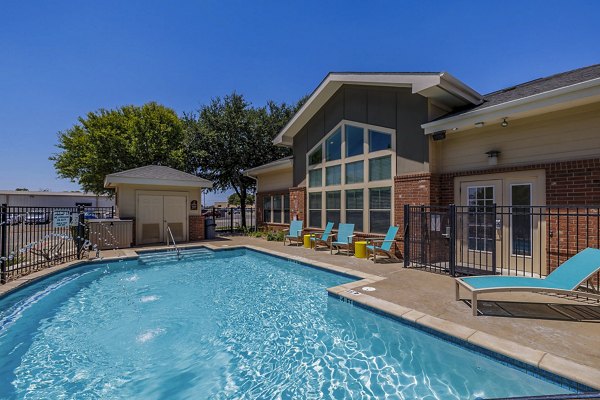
<point x="439" y="86"/>
<point x="532" y="88"/>
<point x="157" y="174"/>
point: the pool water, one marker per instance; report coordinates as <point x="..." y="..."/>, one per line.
<point x="228" y="324"/>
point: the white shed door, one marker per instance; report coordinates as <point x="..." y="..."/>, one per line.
<point x="175" y="216"/>
<point x="155" y="212"/>
<point x="150" y="219"/>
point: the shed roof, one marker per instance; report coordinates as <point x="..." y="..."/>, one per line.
<point x="156" y="175"/>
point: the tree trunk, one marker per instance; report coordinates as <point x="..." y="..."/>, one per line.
<point x="243" y="205"/>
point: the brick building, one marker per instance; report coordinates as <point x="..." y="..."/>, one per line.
<point x="366" y="144"/>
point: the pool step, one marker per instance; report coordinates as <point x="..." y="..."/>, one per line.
<point x="171" y="256"/>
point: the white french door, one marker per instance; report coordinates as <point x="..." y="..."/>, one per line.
<point x="498" y="225"/>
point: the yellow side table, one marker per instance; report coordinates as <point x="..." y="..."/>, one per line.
<point x="307" y="243"/>
<point x="360" y="249"/>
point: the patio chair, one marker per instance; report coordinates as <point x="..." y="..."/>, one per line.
<point x="386" y="245"/>
<point x="563" y="280"/>
<point x="49" y="248"/>
<point x="294" y="232"/>
<point x="343" y="238"/>
<point x="324" y="238"/>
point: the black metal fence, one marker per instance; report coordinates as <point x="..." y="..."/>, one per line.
<point x="492" y="239"/>
<point x="229" y="219"/>
<point x="34" y="238"/>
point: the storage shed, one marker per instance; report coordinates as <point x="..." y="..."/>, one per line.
<point x="157" y="197"/>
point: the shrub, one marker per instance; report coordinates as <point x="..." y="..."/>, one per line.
<point x="275" y="236"/>
<point x="252" y="233"/>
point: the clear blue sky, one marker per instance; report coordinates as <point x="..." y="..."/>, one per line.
<point x="61" y="59"/>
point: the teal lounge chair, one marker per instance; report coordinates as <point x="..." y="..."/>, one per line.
<point x="386" y="246"/>
<point x="294" y="232"/>
<point x="563" y="280"/>
<point x="343" y="238"/>
<point x="324" y="238"/>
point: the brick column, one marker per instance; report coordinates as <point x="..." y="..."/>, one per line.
<point x="413" y="189"/>
<point x="196" y="228"/>
<point x="298" y="203"/>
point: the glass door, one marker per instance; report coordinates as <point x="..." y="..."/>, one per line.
<point x="522" y="219"/>
<point x="500" y="225"/>
<point x="477" y="227"/>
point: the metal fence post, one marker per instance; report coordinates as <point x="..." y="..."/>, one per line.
<point x="424" y="233"/>
<point x="452" y="244"/>
<point x="494" y="240"/>
<point x="231" y="219"/>
<point x="112" y="212"/>
<point x="3" y="243"/>
<point x="406" y="235"/>
<point x="80" y="230"/>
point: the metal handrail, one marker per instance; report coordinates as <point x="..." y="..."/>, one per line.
<point x="173" y="240"/>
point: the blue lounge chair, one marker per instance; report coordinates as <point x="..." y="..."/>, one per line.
<point x="324" y="238"/>
<point x="294" y="232"/>
<point x="563" y="280"/>
<point x="386" y="246"/>
<point x="343" y="238"/>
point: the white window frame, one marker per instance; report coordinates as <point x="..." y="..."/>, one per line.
<point x="272" y="210"/>
<point x="342" y="187"/>
<point x="369" y="209"/>
<point x="468" y="205"/>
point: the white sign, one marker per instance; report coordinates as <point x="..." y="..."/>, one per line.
<point x="436" y="222"/>
<point x="74" y="219"/>
<point x="61" y="219"/>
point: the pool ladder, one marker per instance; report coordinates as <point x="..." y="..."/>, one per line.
<point x="174" y="245"/>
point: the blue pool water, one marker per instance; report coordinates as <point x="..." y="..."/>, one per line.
<point x="230" y="324"/>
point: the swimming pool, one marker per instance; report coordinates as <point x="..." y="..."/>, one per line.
<point x="225" y="324"/>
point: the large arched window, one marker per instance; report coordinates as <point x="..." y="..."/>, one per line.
<point x="349" y="175"/>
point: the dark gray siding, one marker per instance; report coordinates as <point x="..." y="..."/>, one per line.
<point x="300" y="150"/>
<point x="394" y="108"/>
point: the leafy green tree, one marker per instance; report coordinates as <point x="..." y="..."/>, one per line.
<point x="229" y="136"/>
<point x="108" y="141"/>
<point x="234" y="199"/>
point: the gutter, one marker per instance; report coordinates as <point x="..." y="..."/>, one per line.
<point x="549" y="98"/>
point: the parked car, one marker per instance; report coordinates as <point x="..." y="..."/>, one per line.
<point x="37" y="217"/>
<point x="214" y="213"/>
<point x="13" y="219"/>
<point x="89" y="215"/>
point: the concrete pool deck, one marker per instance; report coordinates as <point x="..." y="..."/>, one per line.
<point x="555" y="334"/>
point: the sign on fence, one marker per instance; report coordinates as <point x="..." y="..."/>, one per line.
<point x="61" y="218"/>
<point x="74" y="219"/>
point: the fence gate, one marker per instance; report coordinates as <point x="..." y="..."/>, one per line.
<point x="229" y="219"/>
<point x="427" y="238"/>
<point x="479" y="239"/>
<point x="34" y="238"/>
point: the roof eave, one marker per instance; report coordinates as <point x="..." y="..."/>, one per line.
<point x="426" y="84"/>
<point x="113" y="181"/>
<point x="271" y="167"/>
<point x="564" y="97"/>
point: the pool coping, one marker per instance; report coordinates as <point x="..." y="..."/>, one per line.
<point x="535" y="361"/>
